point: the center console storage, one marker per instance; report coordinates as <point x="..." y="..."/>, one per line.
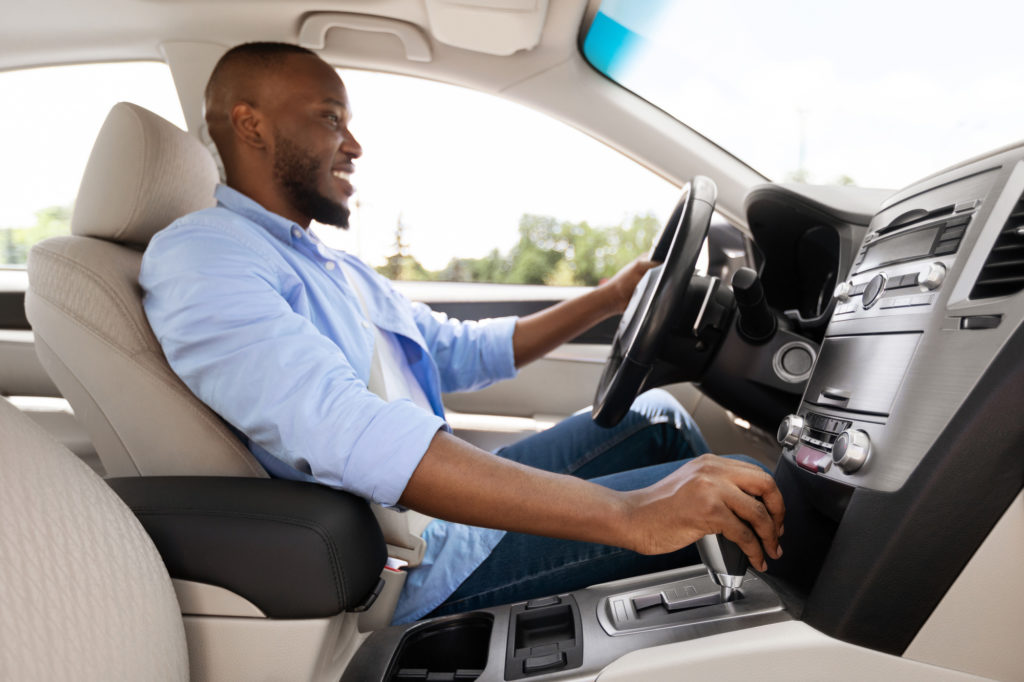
<point x="450" y="649"/>
<point x="567" y="636"/>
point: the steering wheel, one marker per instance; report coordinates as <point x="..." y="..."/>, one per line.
<point x="657" y="303"/>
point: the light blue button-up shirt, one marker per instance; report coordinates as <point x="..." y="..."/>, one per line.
<point x="256" y="317"/>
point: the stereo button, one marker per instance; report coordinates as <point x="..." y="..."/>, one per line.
<point x="932" y="277"/>
<point x="842" y="291"/>
<point x="873" y="290"/>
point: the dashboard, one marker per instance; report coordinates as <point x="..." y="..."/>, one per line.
<point x="904" y="449"/>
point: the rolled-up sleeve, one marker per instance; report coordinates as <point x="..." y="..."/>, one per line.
<point x="220" y="310"/>
<point x="469" y="354"/>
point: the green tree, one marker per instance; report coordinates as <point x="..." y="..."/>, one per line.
<point x="401" y="265"/>
<point x="537" y="253"/>
<point x="548" y="252"/>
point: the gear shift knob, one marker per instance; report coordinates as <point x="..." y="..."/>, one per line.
<point x="725" y="561"/>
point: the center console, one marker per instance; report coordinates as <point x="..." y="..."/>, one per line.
<point x="919" y="318"/>
<point x="567" y="636"/>
<point x="905" y="449"/>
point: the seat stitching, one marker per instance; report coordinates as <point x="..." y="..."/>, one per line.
<point x="108" y="289"/>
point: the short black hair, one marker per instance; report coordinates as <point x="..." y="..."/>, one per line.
<point x="265" y="54"/>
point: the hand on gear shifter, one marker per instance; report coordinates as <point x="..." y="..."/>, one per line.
<point x="725" y="561"/>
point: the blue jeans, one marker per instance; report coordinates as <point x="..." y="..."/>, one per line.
<point x="655" y="438"/>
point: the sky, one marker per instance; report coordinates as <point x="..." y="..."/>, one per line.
<point x="880" y="92"/>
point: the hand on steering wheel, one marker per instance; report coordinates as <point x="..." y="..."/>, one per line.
<point x="657" y="303"/>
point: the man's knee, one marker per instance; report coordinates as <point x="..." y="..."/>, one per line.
<point x="658" y="399"/>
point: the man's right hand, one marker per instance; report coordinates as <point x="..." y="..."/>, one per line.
<point x="708" y="495"/>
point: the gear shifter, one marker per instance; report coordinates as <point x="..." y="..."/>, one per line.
<point x="725" y="561"/>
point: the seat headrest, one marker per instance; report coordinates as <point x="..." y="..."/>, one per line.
<point x="143" y="174"/>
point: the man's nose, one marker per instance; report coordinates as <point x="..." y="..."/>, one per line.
<point x="350" y="146"/>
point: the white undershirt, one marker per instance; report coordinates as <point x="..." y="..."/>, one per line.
<point x="391" y="378"/>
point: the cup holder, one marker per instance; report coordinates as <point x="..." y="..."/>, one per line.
<point x="451" y="649"/>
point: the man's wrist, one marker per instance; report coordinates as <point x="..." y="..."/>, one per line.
<point x="607" y="301"/>
<point x="618" y="527"/>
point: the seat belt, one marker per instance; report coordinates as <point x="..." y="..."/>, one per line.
<point x="376" y="383"/>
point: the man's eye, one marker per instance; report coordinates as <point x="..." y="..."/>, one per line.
<point x="333" y="118"/>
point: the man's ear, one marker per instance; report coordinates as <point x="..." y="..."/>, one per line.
<point x="249" y="125"/>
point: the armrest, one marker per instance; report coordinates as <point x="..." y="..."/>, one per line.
<point x="295" y="550"/>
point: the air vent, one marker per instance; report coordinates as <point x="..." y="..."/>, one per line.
<point x="1003" y="273"/>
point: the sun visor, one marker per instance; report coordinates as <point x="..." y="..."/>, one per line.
<point x="498" y="27"/>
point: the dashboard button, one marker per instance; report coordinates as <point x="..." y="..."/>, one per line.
<point x="842" y="291"/>
<point x="980" y="321"/>
<point x="944" y="248"/>
<point x="813" y="460"/>
<point x="909" y="280"/>
<point x="933" y="276"/>
<point x="873" y="289"/>
<point x="953" y="232"/>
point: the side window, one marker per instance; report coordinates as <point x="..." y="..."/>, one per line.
<point x="50" y="118"/>
<point x="456" y="185"/>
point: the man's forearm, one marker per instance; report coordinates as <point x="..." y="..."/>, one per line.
<point x="545" y="330"/>
<point x="459" y="482"/>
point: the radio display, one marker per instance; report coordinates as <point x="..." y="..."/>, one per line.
<point x="901" y="247"/>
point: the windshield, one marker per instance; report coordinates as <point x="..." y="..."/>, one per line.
<point x="874" y="93"/>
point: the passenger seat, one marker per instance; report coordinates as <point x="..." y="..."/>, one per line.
<point x="84" y="594"/>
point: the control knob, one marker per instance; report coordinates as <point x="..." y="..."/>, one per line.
<point x="851" y="449"/>
<point x="790" y="429"/>
<point x="932" y="276"/>
<point x="873" y="290"/>
<point x="842" y="292"/>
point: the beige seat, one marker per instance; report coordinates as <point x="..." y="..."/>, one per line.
<point x="85" y="305"/>
<point x="84" y="594"/>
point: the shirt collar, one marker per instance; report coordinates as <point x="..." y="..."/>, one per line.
<point x="239" y="203"/>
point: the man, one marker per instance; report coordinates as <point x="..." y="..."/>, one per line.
<point x="333" y="377"/>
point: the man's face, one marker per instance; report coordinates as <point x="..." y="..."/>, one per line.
<point x="313" y="150"/>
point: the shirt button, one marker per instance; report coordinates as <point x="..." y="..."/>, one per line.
<point x="329" y="265"/>
<point x="297" y="232"/>
<point x="366" y="325"/>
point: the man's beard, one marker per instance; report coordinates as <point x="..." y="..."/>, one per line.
<point x="296" y="171"/>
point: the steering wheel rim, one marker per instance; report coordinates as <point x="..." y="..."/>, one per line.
<point x="657" y="303"/>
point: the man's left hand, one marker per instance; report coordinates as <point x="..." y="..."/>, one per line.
<point x="620" y="287"/>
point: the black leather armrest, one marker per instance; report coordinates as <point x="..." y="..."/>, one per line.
<point x="295" y="550"/>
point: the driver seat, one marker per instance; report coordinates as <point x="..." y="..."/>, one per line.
<point x="85" y="305"/>
<point x="91" y="333"/>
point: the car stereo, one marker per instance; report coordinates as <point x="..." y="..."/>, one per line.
<point x="912" y="327"/>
